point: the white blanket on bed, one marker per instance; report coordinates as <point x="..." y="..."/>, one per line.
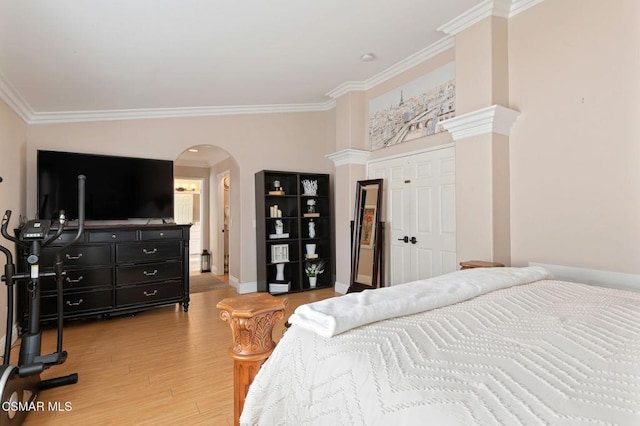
<point x="339" y="314"/>
<point x="545" y="353"/>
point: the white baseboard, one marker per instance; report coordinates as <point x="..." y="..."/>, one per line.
<point x="252" y="287"/>
<point x="341" y="288"/>
<point x="595" y="277"/>
<point x="243" y="288"/>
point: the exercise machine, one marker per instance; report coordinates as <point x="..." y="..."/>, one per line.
<point x="20" y="383"/>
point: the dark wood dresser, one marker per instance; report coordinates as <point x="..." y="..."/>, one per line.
<point x="113" y="270"/>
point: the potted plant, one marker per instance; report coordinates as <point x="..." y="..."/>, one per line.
<point x="313" y="269"/>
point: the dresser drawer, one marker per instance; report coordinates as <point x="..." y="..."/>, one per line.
<point x="148" y="251"/>
<point x="67" y="237"/>
<point x="78" y="255"/>
<point x="160" y="234"/>
<point x="78" y="302"/>
<point x="148" y="272"/>
<point x="111" y="236"/>
<point x="80" y="279"/>
<point x="148" y="293"/>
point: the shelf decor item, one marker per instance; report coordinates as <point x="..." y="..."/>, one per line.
<point x="310" y="186"/>
<point x="279" y="271"/>
<point x="311" y="206"/>
<point x="311" y="209"/>
<point x="312" y="229"/>
<point x="274" y="211"/>
<point x="311" y="251"/>
<point x="279" y="227"/>
<point x="313" y="269"/>
<point x="279" y="253"/>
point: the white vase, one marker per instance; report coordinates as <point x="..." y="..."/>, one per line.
<point x="311" y="248"/>
<point x="280" y="271"/>
<point x="312" y="229"/>
<point x="312" y="282"/>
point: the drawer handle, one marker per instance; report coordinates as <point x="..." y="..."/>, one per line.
<point x="150" y="274"/>
<point x="69" y="257"/>
<point x="80" y="278"/>
<point x="145" y="251"/>
<point x="151" y="294"/>
<point x="70" y="303"/>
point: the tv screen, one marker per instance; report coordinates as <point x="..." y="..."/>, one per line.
<point x="117" y="188"/>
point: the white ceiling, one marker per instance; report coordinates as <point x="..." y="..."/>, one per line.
<point x="66" y="58"/>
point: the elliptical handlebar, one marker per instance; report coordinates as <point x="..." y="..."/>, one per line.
<point x="81" y="199"/>
<point x="59" y="268"/>
<point x="5" y="233"/>
<point x="3" y="230"/>
<point x="62" y="219"/>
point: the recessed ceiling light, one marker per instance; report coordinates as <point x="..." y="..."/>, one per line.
<point x="367" y="57"/>
<point x="193" y="150"/>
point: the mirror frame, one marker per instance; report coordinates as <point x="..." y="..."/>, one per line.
<point x="378" y="267"/>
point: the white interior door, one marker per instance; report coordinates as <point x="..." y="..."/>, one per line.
<point x="183" y="208"/>
<point x="420" y="214"/>
<point x="399" y="212"/>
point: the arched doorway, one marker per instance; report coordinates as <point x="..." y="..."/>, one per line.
<point x="203" y="175"/>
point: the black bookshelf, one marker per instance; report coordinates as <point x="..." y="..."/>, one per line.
<point x="304" y="217"/>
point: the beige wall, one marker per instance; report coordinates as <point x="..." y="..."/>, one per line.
<point x="574" y="71"/>
<point x="294" y="141"/>
<point x="482" y="161"/>
<point x="12" y="187"/>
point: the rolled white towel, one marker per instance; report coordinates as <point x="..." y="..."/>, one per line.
<point x="336" y="315"/>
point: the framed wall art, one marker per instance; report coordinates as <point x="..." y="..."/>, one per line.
<point x="413" y="110"/>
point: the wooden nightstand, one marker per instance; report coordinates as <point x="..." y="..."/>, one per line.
<point x="251" y="318"/>
<point x="470" y="264"/>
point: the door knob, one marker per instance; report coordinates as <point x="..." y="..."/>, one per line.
<point x="413" y="240"/>
<point x="405" y="239"/>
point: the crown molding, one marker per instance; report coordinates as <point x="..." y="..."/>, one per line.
<point x="493" y="119"/>
<point x="136" y="114"/>
<point x="406" y="64"/>
<point x="500" y="8"/>
<point x="346" y="87"/>
<point x="519" y="6"/>
<point x="349" y="156"/>
<point x="12" y="98"/>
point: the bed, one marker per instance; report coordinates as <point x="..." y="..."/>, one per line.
<point x="481" y="346"/>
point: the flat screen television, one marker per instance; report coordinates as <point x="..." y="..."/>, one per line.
<point x="117" y="188"/>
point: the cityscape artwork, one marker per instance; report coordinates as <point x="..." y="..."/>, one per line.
<point x="414" y="110"/>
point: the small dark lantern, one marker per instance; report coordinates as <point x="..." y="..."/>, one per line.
<point x="205" y="263"/>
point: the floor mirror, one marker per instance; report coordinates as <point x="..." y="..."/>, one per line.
<point x="367" y="264"/>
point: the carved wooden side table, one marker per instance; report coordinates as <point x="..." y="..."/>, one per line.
<point x="251" y="318"/>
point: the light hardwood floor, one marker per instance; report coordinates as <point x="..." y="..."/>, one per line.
<point x="159" y="367"/>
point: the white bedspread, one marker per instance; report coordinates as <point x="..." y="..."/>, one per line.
<point x="548" y="352"/>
